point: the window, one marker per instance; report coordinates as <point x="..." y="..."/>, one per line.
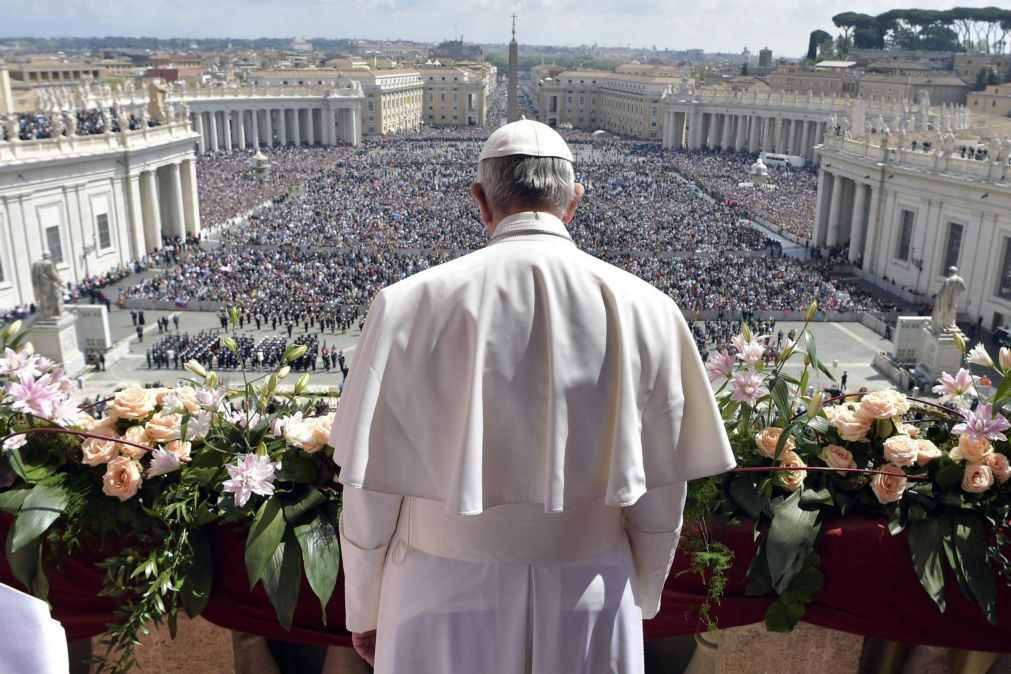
<point x="905" y="235"/>
<point x="1004" y="281"/>
<point x="54" y="243"/>
<point x="952" y="247"/>
<point x="104" y="239"/>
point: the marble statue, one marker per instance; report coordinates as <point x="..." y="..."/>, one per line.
<point x="948" y="143"/>
<point x="946" y="302"/>
<point x="57" y="124"/>
<point x="13" y="128"/>
<point x="48" y="287"/>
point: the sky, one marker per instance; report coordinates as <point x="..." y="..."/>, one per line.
<point x="712" y="25"/>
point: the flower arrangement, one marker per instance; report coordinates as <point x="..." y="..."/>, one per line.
<point x="937" y="473"/>
<point x="165" y="464"/>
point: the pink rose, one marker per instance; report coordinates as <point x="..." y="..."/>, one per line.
<point x="180" y="449"/>
<point x="96" y="452"/>
<point x="908" y="429"/>
<point x="136" y="435"/>
<point x="970" y="450"/>
<point x="122" y="478"/>
<point x="769" y="438"/>
<point x="838" y="457"/>
<point x="901" y="450"/>
<point x="927" y="452"/>
<point x="889" y="488"/>
<point x="883" y="405"/>
<point x="163" y="428"/>
<point x="978" y="478"/>
<point x="134" y="403"/>
<point x="1000" y="466"/>
<point x="186" y="399"/>
<point x="793" y="480"/>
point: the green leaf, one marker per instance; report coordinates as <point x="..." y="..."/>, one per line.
<point x="820" y="425"/>
<point x="10" y="501"/>
<point x="926" y="546"/>
<point x="26" y="564"/>
<point x="782" y="617"/>
<point x="970" y="550"/>
<point x="781" y="397"/>
<point x="264" y="538"/>
<point x="282" y="578"/>
<point x="809" y="346"/>
<point x="300" y="503"/>
<point x="196" y="590"/>
<point x="320" y="556"/>
<point x="40" y="509"/>
<point x="950" y="477"/>
<point x="791" y="537"/>
<point x="299" y="469"/>
<point x="746" y="496"/>
<point x="29" y="472"/>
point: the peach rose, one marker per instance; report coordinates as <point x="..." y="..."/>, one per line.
<point x="161" y="393"/>
<point x="978" y="478"/>
<point x="793" y="480"/>
<point x="889" y="488"/>
<point x="851" y="426"/>
<point x="122" y="478"/>
<point x="838" y="457"/>
<point x="971" y="451"/>
<point x="163" y="427"/>
<point x="96" y="452"/>
<point x="928" y="452"/>
<point x="901" y="450"/>
<point x="883" y="405"/>
<point x="305" y="435"/>
<point x="1000" y="466"/>
<point x="769" y="438"/>
<point x="134" y="403"/>
<point x="133" y="434"/>
<point x="180" y="449"/>
<point x="84" y="421"/>
<point x="187" y="397"/>
<point x="908" y="429"/>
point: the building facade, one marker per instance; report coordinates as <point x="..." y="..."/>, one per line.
<point x="994" y="100"/>
<point x="908" y="216"/>
<point x="456" y="95"/>
<point x="94" y="202"/>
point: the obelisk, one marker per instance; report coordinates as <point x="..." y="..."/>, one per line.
<point x="513" y="107"/>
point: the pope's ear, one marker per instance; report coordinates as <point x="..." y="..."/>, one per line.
<point x="477" y="192"/>
<point x="570" y="211"/>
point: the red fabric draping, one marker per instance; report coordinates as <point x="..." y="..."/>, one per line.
<point x="870" y="589"/>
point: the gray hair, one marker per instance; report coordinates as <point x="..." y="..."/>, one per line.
<point x="522" y="180"/>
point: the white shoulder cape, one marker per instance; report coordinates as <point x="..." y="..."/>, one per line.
<point x="527" y="371"/>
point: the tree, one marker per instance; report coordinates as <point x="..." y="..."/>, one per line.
<point x="744" y="70"/>
<point x="816" y="39"/>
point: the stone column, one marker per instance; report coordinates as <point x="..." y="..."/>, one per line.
<point x="282" y="124"/>
<point x="241" y="128"/>
<point x="226" y="120"/>
<point x="152" y="210"/>
<point x="858" y="230"/>
<point x="310" y="131"/>
<point x="870" y="250"/>
<point x="356" y="126"/>
<point x="766" y="144"/>
<point x="177" y="217"/>
<point x="191" y="204"/>
<point x="296" y="127"/>
<point x="753" y="139"/>
<point x="212" y="126"/>
<point x="805" y="141"/>
<point x="198" y="126"/>
<point x="833" y="212"/>
<point x="268" y="117"/>
<point x="820" y="233"/>
<point x="328" y="127"/>
<point x="742" y="123"/>
<point x="135" y="206"/>
<point x="256" y="128"/>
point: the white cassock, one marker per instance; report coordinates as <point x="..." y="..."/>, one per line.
<point x="32" y="642"/>
<point x="514" y="439"/>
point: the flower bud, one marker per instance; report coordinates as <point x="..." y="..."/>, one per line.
<point x="745" y="331"/>
<point x="28" y="348"/>
<point x="284" y="372"/>
<point x="812" y="311"/>
<point x="294" y="352"/>
<point x="959" y="341"/>
<point x="1004" y="356"/>
<point x="233" y="315"/>
<point x="196" y="368"/>
<point x="12" y="329"/>
<point x="231" y="345"/>
<point x="302" y="383"/>
<point x="816" y="404"/>
<point x="212" y="379"/>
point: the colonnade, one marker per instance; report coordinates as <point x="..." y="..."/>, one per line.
<point x="264" y="125"/>
<point x="163" y="203"/>
<point x="744" y="131"/>
<point x="847" y="210"/>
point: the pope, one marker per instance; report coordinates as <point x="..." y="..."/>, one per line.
<point x="514" y="441"/>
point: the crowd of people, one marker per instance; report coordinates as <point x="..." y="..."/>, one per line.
<point x="34" y="125"/>
<point x="791" y="206"/>
<point x="341" y="223"/>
